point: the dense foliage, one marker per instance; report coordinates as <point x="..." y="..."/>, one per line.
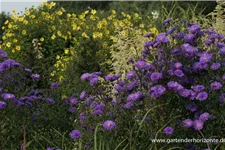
<point x="93" y="79"/>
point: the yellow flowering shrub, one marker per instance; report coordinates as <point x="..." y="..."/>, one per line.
<point x="93" y="34"/>
<point x="41" y="25"/>
<point x="84" y="39"/>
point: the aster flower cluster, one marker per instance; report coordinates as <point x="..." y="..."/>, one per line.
<point x="185" y="73"/>
<point x="14" y="81"/>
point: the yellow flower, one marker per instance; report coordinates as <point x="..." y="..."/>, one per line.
<point x="32" y="16"/>
<point x="3" y="27"/>
<point x="21" y="19"/>
<point x="4" y="37"/>
<point x="24" y="32"/>
<point x="53" y="27"/>
<point x="27" y="13"/>
<point x="113" y="12"/>
<point x="25" y="22"/>
<point x="7" y="21"/>
<point x="93" y="11"/>
<point x="99" y="25"/>
<point x="141" y="25"/>
<point x="57" y="57"/>
<point x="10" y="26"/>
<point x="59" y="33"/>
<point x="52" y="4"/>
<point x="128" y="17"/>
<point x="68" y="15"/>
<point x="14" y="11"/>
<point x="13" y="51"/>
<point x="86" y="12"/>
<point x="66" y="51"/>
<point x="53" y="36"/>
<point x="84" y="35"/>
<point x="136" y="15"/>
<point x="15" y="40"/>
<point x="17" y="47"/>
<point x="42" y="39"/>
<point x="59" y="13"/>
<point x="8" y="44"/>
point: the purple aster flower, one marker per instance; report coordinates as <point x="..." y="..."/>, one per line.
<point x="3" y="54"/>
<point x="50" y="100"/>
<point x="222" y="98"/>
<point x="140" y="64"/>
<point x="85" y="76"/>
<point x="157" y="91"/>
<point x="128" y="105"/>
<point x="202" y="96"/>
<point x="155" y="76"/>
<point x="177" y="65"/>
<point x="168" y="130"/>
<point x="97" y="112"/>
<point x="110" y="77"/>
<point x="8" y="96"/>
<point x="109" y="125"/>
<point x="184" y="93"/>
<point x="118" y="88"/>
<point x="49" y="148"/>
<point x="93" y="80"/>
<point x="200" y="65"/>
<point x="198" y="124"/>
<point x="170" y="31"/>
<point x="55" y="85"/>
<point x="2" y="104"/>
<point x="72" y="109"/>
<point x="16" y="64"/>
<point x="131" y="74"/>
<point x="145" y="52"/>
<point x="176" y="52"/>
<point x="148" y="44"/>
<point x="215" y="66"/>
<point x="27" y="70"/>
<point x="134" y="96"/>
<point x="167" y="20"/>
<point x="205" y="57"/>
<point x="148" y="34"/>
<point x="130" y="86"/>
<point x="223" y="77"/>
<point x="192" y="107"/>
<point x="180" y="35"/>
<point x="83" y="95"/>
<point x="220" y="45"/>
<point x="100" y="106"/>
<point x="189" y="37"/>
<point x="188" y="123"/>
<point x="194" y="29"/>
<point x="130" y="60"/>
<point x="214" y="36"/>
<point x="209" y="42"/>
<point x="35" y="76"/>
<point x="179" y="88"/>
<point x="170" y="72"/>
<point x="205" y="116"/>
<point x="75" y="134"/>
<point x="162" y="38"/>
<point x="73" y="100"/>
<point x="178" y="73"/>
<point x="216" y="85"/>
<point x="172" y="84"/>
<point x="222" y="50"/>
<point x="198" y="88"/>
<point x="131" y="98"/>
